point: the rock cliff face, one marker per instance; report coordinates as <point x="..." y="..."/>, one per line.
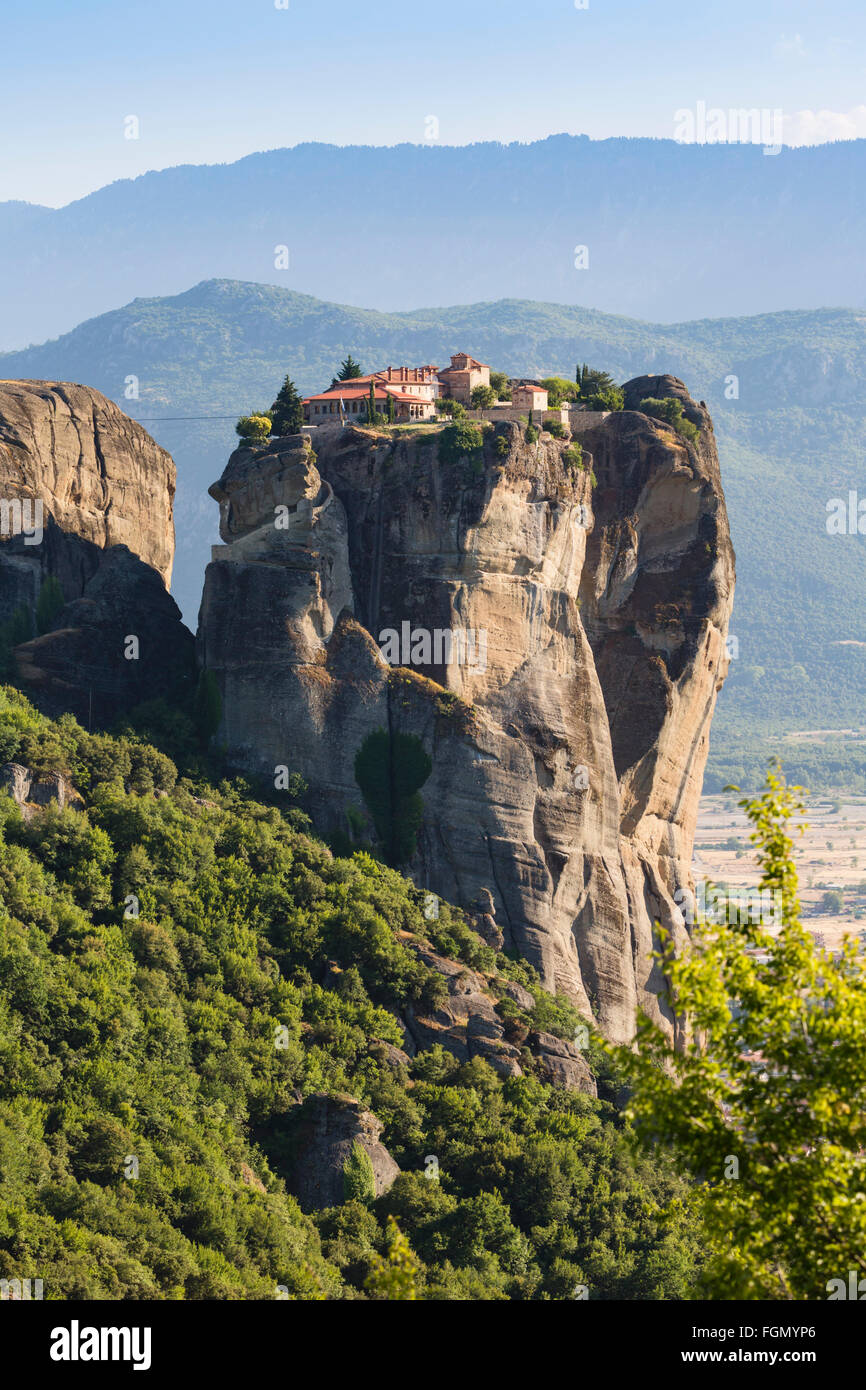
<point x="98" y="473"/>
<point x="555" y="649"/>
<point x="31" y="794"/>
<point x="323" y="1133"/>
<point x="86" y="502"/>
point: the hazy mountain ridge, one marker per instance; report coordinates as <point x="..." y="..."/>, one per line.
<point x="752" y="225"/>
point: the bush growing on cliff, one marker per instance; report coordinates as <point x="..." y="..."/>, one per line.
<point x="254" y="430"/>
<point x="358" y="1180"/>
<point x="670" y="410"/>
<point x="572" y="457"/>
<point x="460" y="441"/>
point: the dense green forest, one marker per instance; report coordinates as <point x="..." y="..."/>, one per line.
<point x="155" y="938"/>
<point x="185" y="966"/>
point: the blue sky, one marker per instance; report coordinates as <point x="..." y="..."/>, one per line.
<point x="213" y="80"/>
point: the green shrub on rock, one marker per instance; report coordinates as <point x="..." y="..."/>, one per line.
<point x="670" y="410"/>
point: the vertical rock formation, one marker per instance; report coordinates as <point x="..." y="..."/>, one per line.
<point x="554" y="648"/>
<point x="86" y="524"/>
<point x="99" y="474"/>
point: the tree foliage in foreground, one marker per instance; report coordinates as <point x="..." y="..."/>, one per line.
<point x="767" y="1103"/>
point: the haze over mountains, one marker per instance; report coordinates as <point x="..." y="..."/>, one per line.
<point x="790" y="442"/>
<point x="673" y="231"/>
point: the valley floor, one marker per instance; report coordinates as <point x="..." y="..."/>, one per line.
<point x="830" y="855"/>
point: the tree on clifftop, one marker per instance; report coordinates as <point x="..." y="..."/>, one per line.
<point x="254" y="430"/>
<point x="350" y="369"/>
<point x="287" y="412"/>
<point x="483" y="397"/>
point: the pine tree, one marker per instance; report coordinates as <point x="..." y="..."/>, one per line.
<point x="350" y="369"/>
<point x="371" y="406"/>
<point x="287" y="411"/>
<point x="391" y="413"/>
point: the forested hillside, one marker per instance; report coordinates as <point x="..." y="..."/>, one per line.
<point x="182" y="967"/>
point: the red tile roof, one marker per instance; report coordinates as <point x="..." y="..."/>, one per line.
<point x="471" y="363"/>
<point x="380" y="393"/>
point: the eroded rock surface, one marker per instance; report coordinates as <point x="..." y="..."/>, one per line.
<point x="567" y="732"/>
<point x="97" y="472"/>
<point x="323" y="1131"/>
<point x="32" y="794"/>
<point x="86" y="505"/>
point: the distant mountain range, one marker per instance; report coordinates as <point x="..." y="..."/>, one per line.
<point x="791" y="441"/>
<point x="671" y="231"/>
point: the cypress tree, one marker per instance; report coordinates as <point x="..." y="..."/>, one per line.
<point x="287" y="411"/>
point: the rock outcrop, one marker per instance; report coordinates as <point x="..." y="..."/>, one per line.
<point x="322" y="1133"/>
<point x="86" y="499"/>
<point x="98" y="473"/>
<point x="468" y="1024"/>
<point x="32" y="794"/>
<point x="554" y="648"/>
